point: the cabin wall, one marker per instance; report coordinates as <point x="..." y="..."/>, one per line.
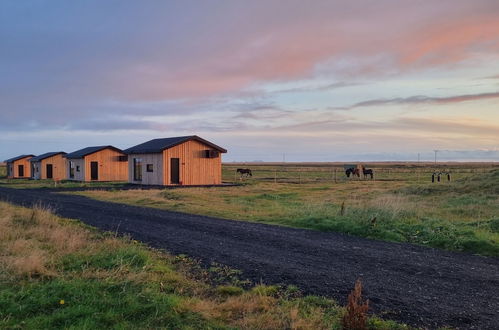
<point x="27" y="167"/>
<point x="78" y="164"/>
<point x="58" y="167"/>
<point x="194" y="168"/>
<point x="10" y="171"/>
<point x="35" y="170"/>
<point x="110" y="168"/>
<point x="153" y="178"/>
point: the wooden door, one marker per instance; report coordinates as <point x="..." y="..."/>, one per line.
<point x="20" y="169"/>
<point x="50" y="171"/>
<point x="175" y="170"/>
<point x="94" y="171"/>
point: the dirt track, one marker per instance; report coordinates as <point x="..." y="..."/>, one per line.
<point x="417" y="285"/>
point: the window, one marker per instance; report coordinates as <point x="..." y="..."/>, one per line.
<point x="149" y="168"/>
<point x="122" y="158"/>
<point x="71" y="169"/>
<point x="210" y="154"/>
<point x="77" y="168"/>
<point x="137" y="169"/>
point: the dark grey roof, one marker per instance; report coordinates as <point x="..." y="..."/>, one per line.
<point x="46" y="155"/>
<point x="158" y="145"/>
<point x="87" y="151"/>
<point x="17" y="158"/>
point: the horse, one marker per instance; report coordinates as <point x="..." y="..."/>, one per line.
<point x="246" y="171"/>
<point x="367" y="171"/>
<point x="352" y="171"/>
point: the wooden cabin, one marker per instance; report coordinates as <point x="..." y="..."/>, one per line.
<point x="51" y="165"/>
<point x="19" y="167"/>
<point x="184" y="160"/>
<point x="101" y="163"/>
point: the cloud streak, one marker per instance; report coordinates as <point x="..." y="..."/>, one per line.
<point x="421" y="99"/>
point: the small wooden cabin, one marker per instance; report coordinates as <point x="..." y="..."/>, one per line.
<point x="101" y="163"/>
<point x="19" y="167"/>
<point x="51" y="165"/>
<point x="184" y="160"/>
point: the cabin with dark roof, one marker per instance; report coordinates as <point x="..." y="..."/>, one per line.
<point x="183" y="160"/>
<point x="19" y="167"/>
<point x="50" y="165"/>
<point x="100" y="163"/>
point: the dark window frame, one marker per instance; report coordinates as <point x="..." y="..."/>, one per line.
<point x="149" y="168"/>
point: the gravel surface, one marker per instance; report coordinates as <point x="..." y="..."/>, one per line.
<point x="417" y="285"/>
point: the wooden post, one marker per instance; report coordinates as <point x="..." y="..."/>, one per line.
<point x="335" y="178"/>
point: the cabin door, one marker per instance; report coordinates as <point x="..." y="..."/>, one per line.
<point x="20" y="169"/>
<point x="94" y="171"/>
<point x="50" y="174"/>
<point x="175" y="170"/>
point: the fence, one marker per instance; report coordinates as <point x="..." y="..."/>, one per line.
<point x="315" y="173"/>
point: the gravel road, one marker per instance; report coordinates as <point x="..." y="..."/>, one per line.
<point x="417" y="285"/>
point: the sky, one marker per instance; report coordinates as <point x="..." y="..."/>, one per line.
<point x="268" y="80"/>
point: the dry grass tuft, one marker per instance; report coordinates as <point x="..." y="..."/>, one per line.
<point x="355" y="317"/>
<point x="33" y="238"/>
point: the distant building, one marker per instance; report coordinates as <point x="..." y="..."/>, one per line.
<point x="19" y="167"/>
<point x="184" y="160"/>
<point x="51" y="165"/>
<point x="101" y="163"/>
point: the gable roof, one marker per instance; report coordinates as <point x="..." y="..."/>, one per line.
<point x="87" y="151"/>
<point x="46" y="155"/>
<point x="158" y="145"/>
<point x="10" y="160"/>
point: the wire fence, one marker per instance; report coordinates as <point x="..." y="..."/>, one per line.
<point x="303" y="173"/>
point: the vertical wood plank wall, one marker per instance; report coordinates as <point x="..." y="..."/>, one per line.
<point x="27" y="167"/>
<point x="79" y="175"/>
<point x="110" y="169"/>
<point x="194" y="168"/>
<point x="155" y="177"/>
<point x="58" y="167"/>
<point x="34" y="173"/>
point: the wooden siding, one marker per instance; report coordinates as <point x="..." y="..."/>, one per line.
<point x="110" y="168"/>
<point x="79" y="175"/>
<point x="35" y="170"/>
<point x="58" y="167"/>
<point x="27" y="168"/>
<point x="153" y="178"/>
<point x="194" y="168"/>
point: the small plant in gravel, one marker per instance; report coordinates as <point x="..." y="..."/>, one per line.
<point x="355" y="317"/>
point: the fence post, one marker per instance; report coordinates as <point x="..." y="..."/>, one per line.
<point x="335" y="181"/>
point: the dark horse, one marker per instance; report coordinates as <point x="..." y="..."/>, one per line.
<point x="246" y="171"/>
<point x="352" y="171"/>
<point x="367" y="171"/>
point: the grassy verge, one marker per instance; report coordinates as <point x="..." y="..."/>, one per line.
<point x="33" y="184"/>
<point x="461" y="215"/>
<point x="57" y="273"/>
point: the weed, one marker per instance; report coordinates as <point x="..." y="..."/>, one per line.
<point x="355" y="317"/>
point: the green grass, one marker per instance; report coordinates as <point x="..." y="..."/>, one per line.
<point x="32" y="184"/>
<point x="459" y="215"/>
<point x="59" y="274"/>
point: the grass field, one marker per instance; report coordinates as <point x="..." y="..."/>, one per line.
<point x="57" y="273"/>
<point x="401" y="204"/>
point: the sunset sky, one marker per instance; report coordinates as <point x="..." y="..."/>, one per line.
<point x="311" y="80"/>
